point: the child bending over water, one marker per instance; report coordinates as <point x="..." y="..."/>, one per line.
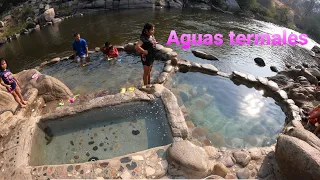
<point x="11" y="83"/>
<point x="110" y="51"/>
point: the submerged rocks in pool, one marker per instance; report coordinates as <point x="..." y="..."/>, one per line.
<point x="251" y="140"/>
<point x="200" y="103"/>
<point x="90" y="142"/>
<point x="93" y="159"/>
<point x="258" y="130"/>
<point x="199" y="132"/>
<point x="135" y="132"/>
<point x="71" y="142"/>
<point x="95" y="148"/>
<point x="184" y="96"/>
<point x="87" y="154"/>
<point x="259" y="61"/>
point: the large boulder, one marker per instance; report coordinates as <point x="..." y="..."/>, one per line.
<point x="233" y="6"/>
<point x="190" y="159"/>
<point x="315" y="72"/>
<point x="297" y="159"/>
<point x="7" y="102"/>
<point x="47" y="16"/>
<point x="316" y="49"/>
<point x="48" y="87"/>
<point x="304" y="135"/>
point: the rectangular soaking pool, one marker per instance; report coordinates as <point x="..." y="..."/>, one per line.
<point x="101" y="133"/>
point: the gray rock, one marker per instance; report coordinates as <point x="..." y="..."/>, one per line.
<point x="177" y="4"/>
<point x="288" y="65"/>
<point x="203" y="55"/>
<point x="192" y="159"/>
<point x="174" y="61"/>
<point x="297" y="159"/>
<point x="259" y="61"/>
<point x="255" y="153"/>
<point x="241" y="157"/>
<point x="305" y="135"/>
<point x="305" y="65"/>
<point x="294" y="108"/>
<point x="220" y="170"/>
<point x="163" y="77"/>
<point x="165" y="50"/>
<point x="283" y="94"/>
<point x="252" y="78"/>
<point x="290" y="101"/>
<point x="195" y="65"/>
<point x="265" y="170"/>
<point x="312" y="79"/>
<point x="263" y="80"/>
<point x="273" y="86"/>
<point x="243" y="173"/>
<point x="316" y="49"/>
<point x="315" y="72"/>
<point x="170" y="55"/>
<point x="209" y="68"/>
<point x="168" y="68"/>
<point x="228" y="162"/>
<point x="130" y="47"/>
<point x="258" y="130"/>
<point x="299" y="67"/>
<point x="274" y="69"/>
<point x="240" y="75"/>
<point x="159" y="47"/>
<point x="233" y="6"/>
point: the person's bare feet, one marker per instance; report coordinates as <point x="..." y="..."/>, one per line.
<point x="24" y="102"/>
<point x="23" y="106"/>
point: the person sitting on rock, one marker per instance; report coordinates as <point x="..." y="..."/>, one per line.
<point x="110" y="51"/>
<point x="11" y="83"/>
<point x="314" y="118"/>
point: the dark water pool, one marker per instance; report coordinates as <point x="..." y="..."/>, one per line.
<point x="102" y="133"/>
<point x="224" y="114"/>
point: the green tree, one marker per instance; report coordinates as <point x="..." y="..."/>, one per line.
<point x="248" y="4"/>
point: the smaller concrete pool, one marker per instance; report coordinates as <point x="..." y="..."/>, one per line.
<point x="101" y="133"/>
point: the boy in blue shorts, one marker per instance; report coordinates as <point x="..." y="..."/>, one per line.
<point x="11" y="83"/>
<point x="80" y="48"/>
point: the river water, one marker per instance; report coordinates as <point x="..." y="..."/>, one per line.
<point x="121" y="27"/>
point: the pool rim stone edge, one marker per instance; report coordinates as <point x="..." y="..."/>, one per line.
<point x="173" y="113"/>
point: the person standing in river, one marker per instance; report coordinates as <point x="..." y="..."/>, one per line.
<point x="80" y="48"/>
<point x="147" y="47"/>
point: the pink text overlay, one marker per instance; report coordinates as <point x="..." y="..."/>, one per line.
<point x="186" y="40"/>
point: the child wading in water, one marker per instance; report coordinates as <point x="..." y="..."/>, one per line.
<point x="11" y="83"/>
<point x="110" y="51"/>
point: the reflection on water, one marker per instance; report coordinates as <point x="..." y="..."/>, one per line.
<point x="120" y="27"/>
<point x="220" y="113"/>
<point x="101" y="74"/>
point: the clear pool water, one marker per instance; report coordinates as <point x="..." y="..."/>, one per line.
<point x="101" y="74"/>
<point x="220" y="113"/>
<point x="102" y="133"/>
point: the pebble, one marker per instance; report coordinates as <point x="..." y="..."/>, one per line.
<point x="70" y="168"/>
<point x="135" y="132"/>
<point x="101" y="144"/>
<point x="88" y="154"/>
<point x="90" y="142"/>
<point x="95" y="148"/>
<point x="76" y="157"/>
<point x="255" y="153"/>
<point x="77" y="167"/>
<point x="243" y="173"/>
<point x="104" y="164"/>
<point x="137" y="158"/>
<point x="241" y="158"/>
<point x="98" y="171"/>
<point x="220" y="170"/>
<point x="228" y="162"/>
<point x="125" y="159"/>
<point x="150" y="171"/>
<point x="131" y="166"/>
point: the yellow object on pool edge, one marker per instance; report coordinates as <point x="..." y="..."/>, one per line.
<point x="122" y="90"/>
<point x="130" y="89"/>
<point x="110" y="59"/>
